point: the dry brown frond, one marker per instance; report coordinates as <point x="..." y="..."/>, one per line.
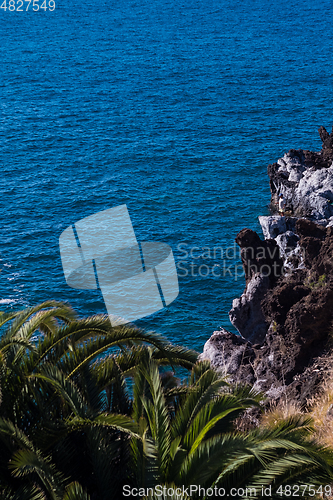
<point x="280" y="411"/>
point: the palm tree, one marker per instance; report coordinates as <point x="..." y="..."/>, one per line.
<point x="179" y="427"/>
<point x="282" y="457"/>
<point x="27" y="461"/>
<point x="72" y="428"/>
<point x="188" y="440"/>
<point x="65" y="389"/>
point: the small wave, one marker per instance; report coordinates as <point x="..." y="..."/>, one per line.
<point x="7" y="301"/>
<point x="13" y="276"/>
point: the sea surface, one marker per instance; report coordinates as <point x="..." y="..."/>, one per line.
<point x="173" y="108"/>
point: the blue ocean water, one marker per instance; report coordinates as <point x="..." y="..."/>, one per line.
<point x="172" y="108"/>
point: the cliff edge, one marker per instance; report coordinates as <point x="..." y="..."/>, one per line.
<point x="285" y="315"/>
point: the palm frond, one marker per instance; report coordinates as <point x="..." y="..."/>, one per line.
<point x="19" y="318"/>
<point x="74" y="491"/>
<point x="28" y="462"/>
<point x="26" y="492"/>
<point x="120" y="423"/>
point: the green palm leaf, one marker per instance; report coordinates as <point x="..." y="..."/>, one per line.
<point x="74" y="491"/>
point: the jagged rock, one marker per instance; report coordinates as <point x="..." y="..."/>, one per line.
<point x="230" y="354"/>
<point x="293" y="260"/>
<point x="327" y="140"/>
<point x="306" y="180"/>
<point x="320" y="260"/>
<point x="274" y="225"/>
<point x="288" y="316"/>
<point x="306" y="227"/>
<point x="291" y="166"/>
<point x="323" y="134"/>
<point x="246" y="314"/>
<point x="330" y="222"/>
<point x="263" y="266"/>
<point x="259" y="256"/>
<point x="315" y="193"/>
<point x="309" y="195"/>
<point x="296" y="314"/>
<point x="305" y="384"/>
<point x="282" y="229"/>
<point x="287" y="242"/>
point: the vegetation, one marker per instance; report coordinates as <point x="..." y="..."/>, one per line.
<point x="87" y="408"/>
<point x="313" y="284"/>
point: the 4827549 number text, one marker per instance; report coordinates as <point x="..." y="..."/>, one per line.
<point x="23" y="5"/>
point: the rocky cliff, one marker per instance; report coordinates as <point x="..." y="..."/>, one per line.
<point x="284" y="317"/>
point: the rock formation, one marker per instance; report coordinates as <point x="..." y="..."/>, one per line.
<point x="285" y="315"/>
<point x="305" y="179"/>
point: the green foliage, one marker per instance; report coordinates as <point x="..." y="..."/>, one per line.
<point x="65" y="423"/>
<point x="192" y="441"/>
<point x="70" y="427"/>
<point x="274" y="326"/>
<point x="177" y="439"/>
<point x="313" y="284"/>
